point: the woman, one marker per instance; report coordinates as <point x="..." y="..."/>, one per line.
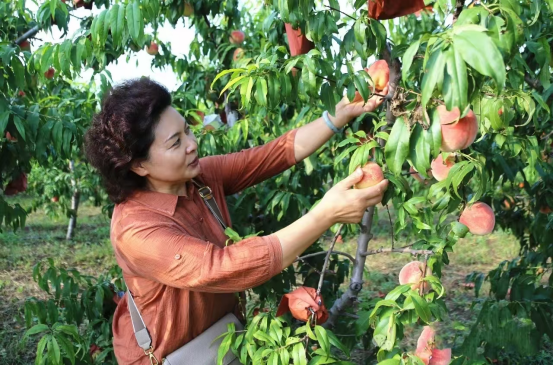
<point x="169" y="245"/>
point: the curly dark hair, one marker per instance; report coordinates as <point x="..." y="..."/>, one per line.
<point x="122" y="133"/>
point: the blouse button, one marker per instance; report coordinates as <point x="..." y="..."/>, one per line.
<point x="177" y="256"/>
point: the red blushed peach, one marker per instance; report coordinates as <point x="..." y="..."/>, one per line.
<point x="427" y="351"/>
<point x="372" y="175"/>
<point x="546" y="210"/>
<point x="238" y="54"/>
<point x="457" y="134"/>
<point x="237" y="37"/>
<point x="479" y="218"/>
<point x="380" y="74"/>
<point x="440" y="170"/>
<point x="413" y="273"/>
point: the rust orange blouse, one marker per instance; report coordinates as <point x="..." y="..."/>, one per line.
<point x="173" y="255"/>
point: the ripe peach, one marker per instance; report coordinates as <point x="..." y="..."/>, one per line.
<point x="238" y="54"/>
<point x="372" y="175"/>
<point x="236" y="37"/>
<point x="521" y="185"/>
<point x="479" y="218"/>
<point x="546" y="210"/>
<point x="413" y="273"/>
<point x="152" y="49"/>
<point x="427" y="351"/>
<point x="55" y="199"/>
<point x="21" y="93"/>
<point x="457" y="135"/>
<point x="440" y="169"/>
<point x="188" y="10"/>
<point x="380" y="74"/>
<point x="49" y="74"/>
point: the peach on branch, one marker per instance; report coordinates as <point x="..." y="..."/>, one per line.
<point x="457" y="133"/>
<point x="546" y="210"/>
<point x="427" y="351"/>
<point x="238" y="54"/>
<point x="372" y="175"/>
<point x="25" y="45"/>
<point x="49" y="74"/>
<point x="479" y="218"/>
<point x="152" y="49"/>
<point x="413" y="273"/>
<point x="380" y="74"/>
<point x="440" y="169"/>
<point x="236" y="37"/>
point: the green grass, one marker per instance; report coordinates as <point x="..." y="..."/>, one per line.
<point x="91" y="253"/>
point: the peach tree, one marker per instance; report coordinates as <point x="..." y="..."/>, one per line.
<point x="465" y="131"/>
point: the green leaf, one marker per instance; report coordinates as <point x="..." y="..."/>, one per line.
<point x="480" y="52"/>
<point x="435" y="134"/>
<point x="19" y="72"/>
<point x="248" y="94"/>
<point x="361" y="84"/>
<point x="56" y="350"/>
<point x="40" y="349"/>
<point x="67" y="347"/>
<point x="4" y="119"/>
<point x="408" y="57"/>
<point x="322" y="337"/>
<point x="117" y="20"/>
<point x="261" y="91"/>
<point x="231" y="83"/>
<point x="36" y="329"/>
<point x="299" y="354"/>
<point x="433" y="75"/>
<point x="397" y="147"/>
<point x="419" y="150"/>
<point x="421" y="307"/>
<point x="19" y="126"/>
<point x="455" y="87"/>
<point x="135" y="23"/>
<point x="223" y="348"/>
<point x="397" y="292"/>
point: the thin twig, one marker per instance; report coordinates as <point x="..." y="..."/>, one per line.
<point x="391" y="225"/>
<point x="338" y="10"/>
<point x="398" y="250"/>
<point x="534" y="83"/>
<point x="324" y="252"/>
<point x="327" y="258"/>
<point x="421" y="288"/>
<point x="547" y="136"/>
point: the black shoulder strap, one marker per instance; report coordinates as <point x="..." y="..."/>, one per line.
<point x="207" y="196"/>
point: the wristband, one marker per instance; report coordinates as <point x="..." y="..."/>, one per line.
<point x="330" y="124"/>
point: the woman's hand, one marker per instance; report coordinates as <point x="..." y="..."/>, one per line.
<point x="341" y="204"/>
<point x="346" y="110"/>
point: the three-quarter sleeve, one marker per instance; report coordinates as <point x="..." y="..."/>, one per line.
<point x="238" y="171"/>
<point x="159" y="251"/>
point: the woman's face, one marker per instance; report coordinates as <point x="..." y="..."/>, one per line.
<point x="173" y="156"/>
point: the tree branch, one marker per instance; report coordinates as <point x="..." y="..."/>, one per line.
<point x="338" y="10"/>
<point x="356" y="284"/>
<point x="533" y="83"/>
<point x="398" y="250"/>
<point x="325" y="265"/>
<point x="31" y="32"/>
<point x="352" y="260"/>
<point x="459" y="5"/>
<point x="395" y="76"/>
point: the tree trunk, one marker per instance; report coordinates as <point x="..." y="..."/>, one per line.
<point x="356" y="284"/>
<point x="74" y="204"/>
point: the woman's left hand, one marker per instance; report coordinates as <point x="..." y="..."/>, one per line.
<point x="346" y="110"/>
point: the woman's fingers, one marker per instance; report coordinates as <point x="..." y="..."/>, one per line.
<point x="374" y="191"/>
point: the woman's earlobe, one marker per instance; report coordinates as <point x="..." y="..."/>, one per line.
<point x="138" y="168"/>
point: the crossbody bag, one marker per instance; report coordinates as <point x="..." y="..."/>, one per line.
<point x="202" y="350"/>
